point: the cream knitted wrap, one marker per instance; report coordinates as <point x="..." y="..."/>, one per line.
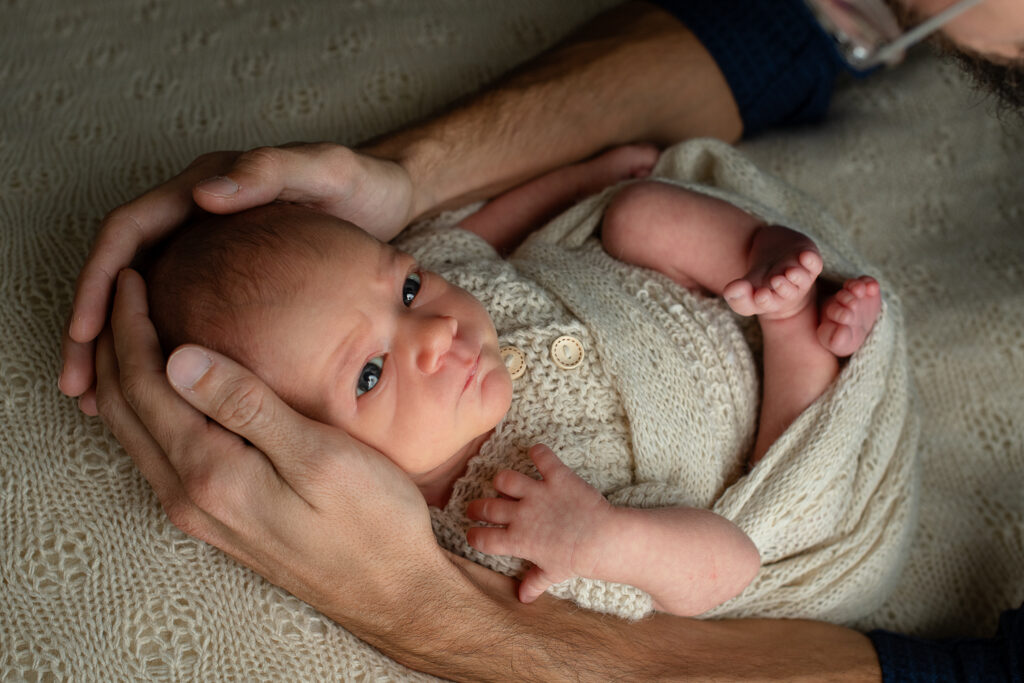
<point x="832" y="504"/>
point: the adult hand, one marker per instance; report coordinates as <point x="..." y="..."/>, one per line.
<point x="311" y="509"/>
<point x="373" y="193"/>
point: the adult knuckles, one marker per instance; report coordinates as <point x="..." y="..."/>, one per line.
<point x="108" y="403"/>
<point x="269" y="161"/>
<point x="241" y="404"/>
<point x="210" y="487"/>
<point x="185" y="516"/>
<point x="134" y="386"/>
<point x="340" y="156"/>
<point x="261" y="161"/>
<point x="121" y="225"/>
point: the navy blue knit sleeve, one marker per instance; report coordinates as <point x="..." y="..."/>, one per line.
<point x="914" y="660"/>
<point x="779" y="64"/>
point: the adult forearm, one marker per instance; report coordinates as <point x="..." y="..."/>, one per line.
<point x="633" y="73"/>
<point x="480" y="632"/>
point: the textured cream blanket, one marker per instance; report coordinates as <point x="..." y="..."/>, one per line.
<point x="100" y="100"/>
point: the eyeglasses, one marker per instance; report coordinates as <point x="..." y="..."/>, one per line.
<point x="867" y="33"/>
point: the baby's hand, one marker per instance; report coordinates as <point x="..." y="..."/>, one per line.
<point x="556" y="523"/>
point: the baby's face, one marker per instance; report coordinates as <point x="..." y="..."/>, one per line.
<point x="398" y="357"/>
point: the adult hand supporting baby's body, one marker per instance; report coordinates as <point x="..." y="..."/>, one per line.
<point x="373" y="193"/>
<point x="330" y="520"/>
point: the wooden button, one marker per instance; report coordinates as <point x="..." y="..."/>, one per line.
<point x="567" y="352"/>
<point x="515" y="361"/>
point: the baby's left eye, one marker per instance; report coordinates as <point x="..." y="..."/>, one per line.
<point x="369" y="375"/>
<point x="410" y="288"/>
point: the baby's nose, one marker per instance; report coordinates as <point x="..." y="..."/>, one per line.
<point x="436" y="335"/>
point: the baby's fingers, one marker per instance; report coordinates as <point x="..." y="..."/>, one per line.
<point x="491" y="510"/>
<point x="513" y="484"/>
<point x="533" y="585"/>
<point x="493" y="541"/>
<point x="548" y="464"/>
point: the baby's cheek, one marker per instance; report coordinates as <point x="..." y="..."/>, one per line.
<point x="496" y="389"/>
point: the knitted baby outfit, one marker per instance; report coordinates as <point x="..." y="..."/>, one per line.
<point x="662" y="409"/>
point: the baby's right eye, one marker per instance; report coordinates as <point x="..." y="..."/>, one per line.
<point x="370" y="375"/>
<point x="410" y="288"/>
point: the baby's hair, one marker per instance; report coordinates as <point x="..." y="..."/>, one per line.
<point x="215" y="268"/>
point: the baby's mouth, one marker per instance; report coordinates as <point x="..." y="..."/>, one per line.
<point x="472" y="374"/>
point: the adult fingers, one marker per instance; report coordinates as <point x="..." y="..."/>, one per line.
<point x="147" y="455"/>
<point x="325" y="493"/>
<point x="141" y="365"/>
<point x="181" y="432"/>
<point x="125" y="231"/>
<point x="87" y="402"/>
<point x="78" y="372"/>
<point x="241" y="403"/>
<point x="121" y="235"/>
<point x="220" y="474"/>
<point x="375" y="194"/>
<point x="308" y="173"/>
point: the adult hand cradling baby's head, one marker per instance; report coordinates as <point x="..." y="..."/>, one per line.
<point x="285" y="495"/>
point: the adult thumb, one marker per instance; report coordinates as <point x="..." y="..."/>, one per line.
<point x="238" y="400"/>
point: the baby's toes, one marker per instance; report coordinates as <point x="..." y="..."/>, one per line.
<point x="863" y="287"/>
<point x="739" y="294"/>
<point x="837" y="311"/>
<point x="765" y="300"/>
<point x="799" y="276"/>
<point x="845" y="297"/>
<point x="835" y="337"/>
<point x="811" y="260"/>
<point x="784" y="286"/>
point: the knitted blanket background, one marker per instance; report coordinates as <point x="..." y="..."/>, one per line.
<point x="100" y="100"/>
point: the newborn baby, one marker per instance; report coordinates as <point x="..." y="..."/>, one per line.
<point x="355" y="333"/>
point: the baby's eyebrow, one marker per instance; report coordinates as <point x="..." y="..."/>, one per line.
<point x="399" y="260"/>
<point x="342" y="358"/>
<point x="390" y="272"/>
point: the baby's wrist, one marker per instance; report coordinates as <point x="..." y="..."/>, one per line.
<point x="597" y="547"/>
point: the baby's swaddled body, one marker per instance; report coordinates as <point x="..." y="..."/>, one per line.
<point x="651" y="384"/>
<point x="661" y="408"/>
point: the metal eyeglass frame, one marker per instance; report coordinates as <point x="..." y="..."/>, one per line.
<point x="867" y="33"/>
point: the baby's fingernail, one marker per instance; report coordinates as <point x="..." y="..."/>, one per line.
<point x="186" y="366"/>
<point x="218" y="186"/>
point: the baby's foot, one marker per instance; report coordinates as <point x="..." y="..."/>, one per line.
<point x="848" y="315"/>
<point x="780" y="282"/>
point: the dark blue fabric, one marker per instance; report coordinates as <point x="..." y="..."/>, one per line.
<point x="780" y="65"/>
<point x="915" y="660"/>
